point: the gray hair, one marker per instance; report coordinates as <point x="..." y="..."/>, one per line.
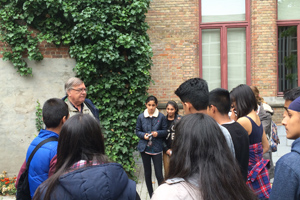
<point x="71" y="83"/>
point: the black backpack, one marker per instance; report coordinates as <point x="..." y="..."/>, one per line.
<point x="23" y="191"/>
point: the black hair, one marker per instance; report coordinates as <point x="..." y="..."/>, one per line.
<point x="80" y="139"/>
<point x="53" y="111"/>
<point x="152" y="98"/>
<point x="244" y="99"/>
<point x="194" y="91"/>
<point x="200" y="152"/>
<point x="174" y="104"/>
<point x="221" y="99"/>
<point x="292" y="94"/>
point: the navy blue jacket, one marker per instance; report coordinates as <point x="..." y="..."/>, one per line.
<point x="106" y="182"/>
<point x="146" y="125"/>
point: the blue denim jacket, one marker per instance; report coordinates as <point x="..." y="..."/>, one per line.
<point x="146" y="124"/>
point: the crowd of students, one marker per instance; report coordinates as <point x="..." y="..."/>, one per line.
<point x="214" y="151"/>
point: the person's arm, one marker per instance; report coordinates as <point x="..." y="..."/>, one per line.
<point x="52" y="166"/>
<point x="164" y="128"/>
<point x="265" y="143"/>
<point x="139" y="129"/>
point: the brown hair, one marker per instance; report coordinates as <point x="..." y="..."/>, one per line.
<point x="256" y="94"/>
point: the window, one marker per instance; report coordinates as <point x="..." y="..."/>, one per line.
<point x="288" y="44"/>
<point x="287" y="57"/>
<point x="225" y="39"/>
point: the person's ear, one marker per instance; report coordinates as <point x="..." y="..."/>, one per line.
<point x="188" y="105"/>
<point x="213" y="109"/>
<point x="64" y="119"/>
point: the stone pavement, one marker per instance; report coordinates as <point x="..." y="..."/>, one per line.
<point x="283" y="148"/>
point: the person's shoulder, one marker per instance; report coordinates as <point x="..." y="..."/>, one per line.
<point x="141" y="115"/>
<point x="169" y="191"/>
<point x="161" y="114"/>
<point x="235" y="126"/>
<point x="88" y="101"/>
<point x="223" y="129"/>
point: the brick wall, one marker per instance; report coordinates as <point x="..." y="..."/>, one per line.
<point x="263" y="46"/>
<point x="48" y="50"/>
<point x="277" y="116"/>
<point x="174" y="34"/>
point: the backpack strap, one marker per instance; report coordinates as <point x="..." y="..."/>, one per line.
<point x="37" y="147"/>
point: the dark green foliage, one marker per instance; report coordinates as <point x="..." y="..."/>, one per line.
<point x="108" y="39"/>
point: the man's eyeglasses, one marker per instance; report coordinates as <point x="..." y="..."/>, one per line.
<point x="80" y="90"/>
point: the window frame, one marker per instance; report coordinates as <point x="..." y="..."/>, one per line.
<point x="223" y="26"/>
<point x="288" y="23"/>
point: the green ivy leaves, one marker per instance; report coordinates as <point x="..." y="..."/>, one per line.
<point x="109" y="41"/>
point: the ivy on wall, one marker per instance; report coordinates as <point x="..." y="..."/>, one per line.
<point x="107" y="38"/>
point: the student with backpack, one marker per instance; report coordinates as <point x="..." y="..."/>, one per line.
<point x="55" y="113"/>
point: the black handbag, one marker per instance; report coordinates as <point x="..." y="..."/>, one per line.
<point x="23" y="191"/>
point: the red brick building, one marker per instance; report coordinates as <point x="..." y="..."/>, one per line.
<point x="226" y="43"/>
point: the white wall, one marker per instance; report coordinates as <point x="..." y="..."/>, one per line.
<point x="18" y="103"/>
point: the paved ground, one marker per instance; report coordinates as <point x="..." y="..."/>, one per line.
<point x="283" y="148"/>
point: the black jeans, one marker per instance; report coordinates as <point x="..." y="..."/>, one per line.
<point x="157" y="161"/>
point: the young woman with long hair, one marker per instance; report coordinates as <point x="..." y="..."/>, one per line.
<point x="83" y="170"/>
<point x="172" y="117"/>
<point x="151" y="128"/>
<point x="202" y="166"/>
<point x="245" y="105"/>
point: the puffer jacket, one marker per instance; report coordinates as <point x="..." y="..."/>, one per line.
<point x="105" y="181"/>
<point x="146" y="124"/>
<point x="40" y="164"/>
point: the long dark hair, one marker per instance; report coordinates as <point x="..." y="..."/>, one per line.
<point x="201" y="151"/>
<point x="80" y="139"/>
<point x="244" y="99"/>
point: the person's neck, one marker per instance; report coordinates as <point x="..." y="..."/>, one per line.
<point x="199" y="111"/>
<point x="55" y="130"/>
<point x="77" y="105"/>
<point x="171" y="117"/>
<point x="222" y="119"/>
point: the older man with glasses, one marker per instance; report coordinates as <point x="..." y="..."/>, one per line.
<point x="76" y="98"/>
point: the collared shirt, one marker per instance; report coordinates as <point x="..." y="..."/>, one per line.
<point x="73" y="110"/>
<point x="258" y="177"/>
<point x="82" y="163"/>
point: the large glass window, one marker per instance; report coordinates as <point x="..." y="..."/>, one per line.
<point x="236" y="39"/>
<point x="222" y="11"/>
<point x="224" y="31"/>
<point x="211" y="57"/>
<point x="287" y="58"/>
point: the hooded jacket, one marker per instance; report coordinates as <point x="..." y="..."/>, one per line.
<point x="40" y="164"/>
<point x="286" y="183"/>
<point x="105" y="181"/>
